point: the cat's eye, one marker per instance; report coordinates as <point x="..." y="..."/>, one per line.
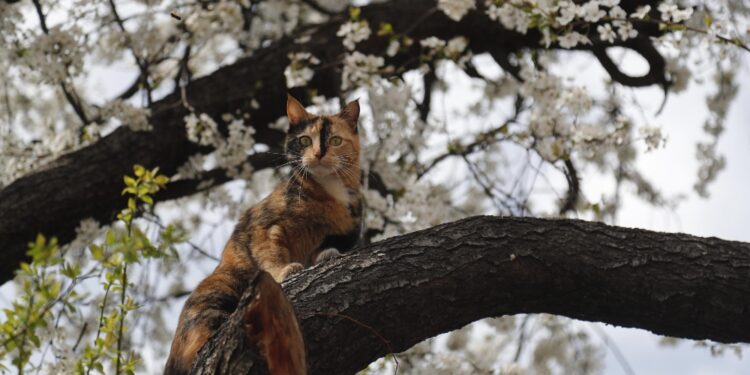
<point x="335" y="141"/>
<point x="305" y="140"/>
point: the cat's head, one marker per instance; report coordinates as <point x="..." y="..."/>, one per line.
<point x="323" y="145"/>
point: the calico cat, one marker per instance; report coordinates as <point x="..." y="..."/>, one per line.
<point x="317" y="210"/>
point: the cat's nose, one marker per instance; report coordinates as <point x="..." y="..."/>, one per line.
<point x="317" y="153"/>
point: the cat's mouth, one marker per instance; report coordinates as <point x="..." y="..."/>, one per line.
<point x="318" y="168"/>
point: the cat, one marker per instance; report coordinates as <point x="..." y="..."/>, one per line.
<point x="311" y="216"/>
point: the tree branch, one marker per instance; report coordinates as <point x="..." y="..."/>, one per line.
<point x="415" y="286"/>
<point x="571" y="198"/>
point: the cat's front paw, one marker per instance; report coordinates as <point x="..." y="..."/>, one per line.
<point x="288" y="270"/>
<point x="327" y="254"/>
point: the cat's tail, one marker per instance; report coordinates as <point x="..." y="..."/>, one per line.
<point x="207" y="308"/>
<point x="267" y="321"/>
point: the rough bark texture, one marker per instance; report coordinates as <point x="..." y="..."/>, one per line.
<point x="415" y="286"/>
<point x="87" y="183"/>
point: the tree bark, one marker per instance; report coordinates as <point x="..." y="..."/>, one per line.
<point x="87" y="183"/>
<point x="392" y="294"/>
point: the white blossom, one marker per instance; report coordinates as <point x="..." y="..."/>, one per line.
<point x="432" y="43"/>
<point x="591" y="12"/>
<point x="671" y="12"/>
<point x="393" y="47"/>
<point x="572" y="39"/>
<point x="652" y="136"/>
<point x="626" y="31"/>
<point x="232" y="152"/>
<point x="456" y="9"/>
<point x="224" y="17"/>
<point x="192" y="167"/>
<point x="606" y="33"/>
<point x="456" y="47"/>
<point x="510" y="17"/>
<point x="641" y="12"/>
<point x="353" y="33"/>
<point x="609" y="3"/>
<point x="577" y="101"/>
<point x="617" y="13"/>
<point x="135" y="118"/>
<point x="298" y="72"/>
<point x="57" y="55"/>
<point x="360" y="69"/>
<point x="568" y="11"/>
<point x="201" y="129"/>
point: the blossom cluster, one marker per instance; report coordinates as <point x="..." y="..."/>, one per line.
<point x="557" y="19"/>
<point x="360" y="70"/>
<point x="354" y="32"/>
<point x="136" y="118"/>
<point x="299" y="72"/>
<point x="230" y="153"/>
<point x="456" y="9"/>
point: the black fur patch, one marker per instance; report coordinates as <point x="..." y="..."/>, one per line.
<point x="213" y="300"/>
<point x="325" y="130"/>
<point x="342" y="243"/>
<point x="295" y="129"/>
<point x="355" y="210"/>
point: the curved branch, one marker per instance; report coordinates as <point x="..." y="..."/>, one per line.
<point x="644" y="47"/>
<point x="415" y="286"/>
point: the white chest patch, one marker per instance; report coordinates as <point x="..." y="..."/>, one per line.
<point x="335" y="188"/>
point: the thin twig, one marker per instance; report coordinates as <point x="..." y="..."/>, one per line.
<point x="157" y="221"/>
<point x="615" y="350"/>
<point x="521" y="338"/>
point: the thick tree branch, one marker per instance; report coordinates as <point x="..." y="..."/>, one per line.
<point x="87" y="183"/>
<point x="415" y="286"/>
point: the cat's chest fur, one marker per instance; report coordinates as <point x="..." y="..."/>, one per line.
<point x="335" y="188"/>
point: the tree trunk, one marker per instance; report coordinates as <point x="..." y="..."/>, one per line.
<point x="392" y="294"/>
<point x="87" y="183"/>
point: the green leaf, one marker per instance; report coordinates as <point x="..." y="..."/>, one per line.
<point x="139" y="170"/>
<point x="147" y="199"/>
<point x="161" y="180"/>
<point x="97" y="252"/>
<point x="386" y="29"/>
<point x="110" y="238"/>
<point x="129" y="181"/>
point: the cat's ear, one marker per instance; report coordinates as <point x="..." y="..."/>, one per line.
<point x="350" y="113"/>
<point x="295" y="111"/>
